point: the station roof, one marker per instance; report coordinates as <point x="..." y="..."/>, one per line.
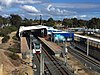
<point x="89" y="38"/>
<point x="23" y="28"/>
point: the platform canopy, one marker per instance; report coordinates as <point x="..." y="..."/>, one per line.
<point x="23" y="28"/>
<point x="86" y="37"/>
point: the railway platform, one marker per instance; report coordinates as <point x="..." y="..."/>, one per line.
<point x="26" y="56"/>
<point x="57" y="50"/>
<point x="24" y="45"/>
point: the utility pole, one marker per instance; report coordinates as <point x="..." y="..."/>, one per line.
<point x="40" y="19"/>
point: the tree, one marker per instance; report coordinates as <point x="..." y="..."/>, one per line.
<point x="67" y="22"/>
<point x="50" y="22"/>
<point x="15" y="20"/>
<point x="27" y="22"/>
<point x="75" y="22"/>
<point x="1" y="21"/>
<point x="82" y="23"/>
<point x="93" y="23"/>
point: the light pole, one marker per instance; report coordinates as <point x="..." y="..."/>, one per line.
<point x="40" y="19"/>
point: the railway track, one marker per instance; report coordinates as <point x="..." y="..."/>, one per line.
<point x="91" y="63"/>
<point x="94" y="52"/>
<point x="45" y="66"/>
<point x="60" y="67"/>
<point x="63" y="71"/>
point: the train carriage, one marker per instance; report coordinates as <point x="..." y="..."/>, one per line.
<point x="36" y="46"/>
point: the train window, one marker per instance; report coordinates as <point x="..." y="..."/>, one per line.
<point x="37" y="45"/>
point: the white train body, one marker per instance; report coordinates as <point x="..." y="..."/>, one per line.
<point x="36" y="46"/>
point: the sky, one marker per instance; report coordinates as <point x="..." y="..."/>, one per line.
<point x="57" y="9"/>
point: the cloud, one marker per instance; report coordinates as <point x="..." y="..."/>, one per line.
<point x="57" y="11"/>
<point x="35" y="14"/>
<point x="5" y="15"/>
<point x="75" y="16"/>
<point x="77" y="5"/>
<point x="1" y="8"/>
<point x="38" y="14"/>
<point x="30" y="9"/>
<point x="48" y="8"/>
<point x="27" y="1"/>
<point x="10" y="2"/>
<point x="80" y="16"/>
<point x="6" y="2"/>
<point x="83" y="16"/>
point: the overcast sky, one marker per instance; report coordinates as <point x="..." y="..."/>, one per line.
<point x="58" y="9"/>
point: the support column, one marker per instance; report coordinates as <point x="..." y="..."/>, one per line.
<point x="87" y="47"/>
<point x="65" y="54"/>
<point x="41" y="64"/>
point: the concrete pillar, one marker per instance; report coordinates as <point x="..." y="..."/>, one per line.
<point x="41" y="64"/>
<point x="87" y="47"/>
<point x="1" y="69"/>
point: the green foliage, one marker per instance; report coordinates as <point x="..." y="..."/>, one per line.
<point x="50" y="22"/>
<point x="13" y="49"/>
<point x="6" y="30"/>
<point x="14" y="56"/>
<point x="5" y="39"/>
<point x="27" y="22"/>
<point x="1" y="21"/>
<point x="67" y="22"/>
<point x="2" y="34"/>
<point x="15" y="20"/>
<point x="15" y="38"/>
<point x="74" y="22"/>
<point x="94" y="23"/>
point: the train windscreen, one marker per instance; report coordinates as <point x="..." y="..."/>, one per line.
<point x="37" y="45"/>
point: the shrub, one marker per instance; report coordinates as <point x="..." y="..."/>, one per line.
<point x="5" y="39"/>
<point x="14" y="56"/>
<point x="15" y="38"/>
<point x="14" y="49"/>
<point x="7" y="30"/>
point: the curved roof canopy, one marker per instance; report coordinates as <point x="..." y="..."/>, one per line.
<point x="23" y="28"/>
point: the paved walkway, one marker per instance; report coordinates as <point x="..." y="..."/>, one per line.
<point x="1" y="40"/>
<point x="24" y="45"/>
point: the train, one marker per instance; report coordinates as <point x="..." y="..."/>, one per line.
<point x="36" y="46"/>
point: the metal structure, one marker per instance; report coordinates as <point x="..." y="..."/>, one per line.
<point x="88" y="39"/>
